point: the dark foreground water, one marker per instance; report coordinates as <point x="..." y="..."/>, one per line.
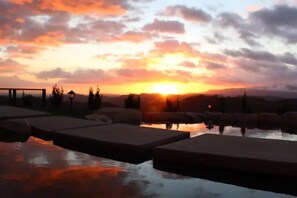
<point x="37" y="168"/>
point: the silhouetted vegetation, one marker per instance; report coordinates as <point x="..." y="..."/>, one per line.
<point x="244" y="105"/>
<point x="222" y="104"/>
<point x="132" y="101"/>
<point x="94" y="100"/>
<point x="171" y="106"/>
<point x="27" y="99"/>
<point x="56" y="97"/>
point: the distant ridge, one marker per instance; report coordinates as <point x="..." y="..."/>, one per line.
<point x="253" y="92"/>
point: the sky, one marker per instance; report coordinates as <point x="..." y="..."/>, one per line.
<point x="146" y="46"/>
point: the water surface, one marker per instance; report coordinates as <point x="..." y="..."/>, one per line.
<point x="37" y="168"/>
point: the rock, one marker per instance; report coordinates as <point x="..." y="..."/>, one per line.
<point x="245" y="118"/>
<point x="270" y="119"/>
<point x="172" y="117"/>
<point x="175" y="117"/>
<point x="226" y="118"/>
<point x="194" y="117"/>
<point x="289" y="119"/>
<point x="153" y="117"/>
<point x="120" y="115"/>
<point x="214" y="116"/>
<point x="101" y="118"/>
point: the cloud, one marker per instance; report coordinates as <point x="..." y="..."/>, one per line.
<point x="130" y="36"/>
<point x="56" y="73"/>
<point x="159" y="26"/>
<point x="26" y="23"/>
<point x="291" y="87"/>
<point x="286" y="58"/>
<point x="24" y="51"/>
<point x="212" y="65"/>
<point x="189" y="14"/>
<point x="116" y="76"/>
<point x="99" y="7"/>
<point x="231" y="20"/>
<point x="10" y="66"/>
<point x="279" y="21"/>
<point x="15" y="81"/>
<point x="174" y="47"/>
<point x="188" y="64"/>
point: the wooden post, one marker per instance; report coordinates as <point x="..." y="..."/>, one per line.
<point x="9" y="96"/>
<point x="43" y="97"/>
<point x="14" y="97"/>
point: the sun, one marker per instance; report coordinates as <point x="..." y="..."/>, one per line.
<point x="165" y="89"/>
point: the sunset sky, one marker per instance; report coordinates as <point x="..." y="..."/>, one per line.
<point x="138" y="46"/>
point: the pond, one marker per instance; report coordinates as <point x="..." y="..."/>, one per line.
<point x="37" y="168"/>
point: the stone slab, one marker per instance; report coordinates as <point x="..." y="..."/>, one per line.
<point x="8" y="112"/>
<point x="250" y="155"/>
<point x="122" y="142"/>
<point x="43" y="127"/>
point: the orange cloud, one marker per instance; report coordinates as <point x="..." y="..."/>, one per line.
<point x="10" y="66"/>
<point x="21" y="2"/>
<point x="24" y="51"/>
<point x="50" y="38"/>
<point x="174" y="47"/>
<point x="98" y="7"/>
<point x="135" y="37"/>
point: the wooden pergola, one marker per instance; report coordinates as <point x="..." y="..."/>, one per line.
<point x="12" y="93"/>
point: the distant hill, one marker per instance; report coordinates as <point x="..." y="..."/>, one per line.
<point x="267" y="94"/>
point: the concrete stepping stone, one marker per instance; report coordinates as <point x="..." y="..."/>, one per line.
<point x="8" y="112"/>
<point x="122" y="142"/>
<point x="250" y="155"/>
<point x="43" y="127"/>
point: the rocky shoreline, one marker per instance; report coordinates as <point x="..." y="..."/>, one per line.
<point x="132" y="116"/>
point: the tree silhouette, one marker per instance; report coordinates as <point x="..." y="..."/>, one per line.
<point x="57" y="96"/>
<point x="170" y="106"/>
<point x="244" y="105"/>
<point x="132" y="101"/>
<point x="94" y="100"/>
<point x="27" y="99"/>
<point x="98" y="98"/>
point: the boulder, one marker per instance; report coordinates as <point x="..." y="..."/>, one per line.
<point x="172" y="117"/>
<point x="102" y="118"/>
<point x="194" y="117"/>
<point x="119" y="115"/>
<point x="245" y="118"/>
<point x="153" y="117"/>
<point x="289" y="119"/>
<point x="214" y="116"/>
<point x="175" y="117"/>
<point x="226" y="118"/>
<point x="270" y="119"/>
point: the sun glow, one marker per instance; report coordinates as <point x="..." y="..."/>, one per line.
<point x="165" y="89"/>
